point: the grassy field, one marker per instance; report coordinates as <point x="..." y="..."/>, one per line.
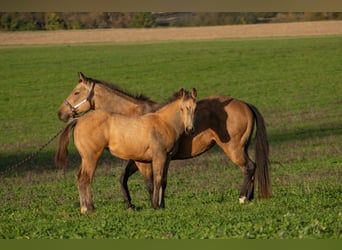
<point x="295" y="83"/>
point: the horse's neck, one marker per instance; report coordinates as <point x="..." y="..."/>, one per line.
<point x="112" y="101"/>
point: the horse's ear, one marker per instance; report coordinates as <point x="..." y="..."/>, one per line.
<point x="194" y="93"/>
<point x="181" y="93"/>
<point x="82" y="77"/>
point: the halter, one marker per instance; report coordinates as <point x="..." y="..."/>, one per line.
<point x="88" y="99"/>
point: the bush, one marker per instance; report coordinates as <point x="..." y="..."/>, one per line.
<point x="16" y="21"/>
<point x="20" y="21"/>
<point x="143" y="20"/>
<point x="53" y="22"/>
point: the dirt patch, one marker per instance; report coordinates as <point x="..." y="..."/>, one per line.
<point x="171" y="34"/>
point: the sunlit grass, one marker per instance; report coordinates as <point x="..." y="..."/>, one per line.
<point x="294" y="82"/>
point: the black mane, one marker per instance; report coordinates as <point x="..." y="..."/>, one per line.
<point x="175" y="96"/>
<point x="118" y="89"/>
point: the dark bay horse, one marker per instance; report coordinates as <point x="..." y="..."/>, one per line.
<point x="221" y="120"/>
<point x="150" y="138"/>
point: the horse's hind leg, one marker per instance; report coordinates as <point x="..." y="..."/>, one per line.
<point x="146" y="170"/>
<point x="247" y="189"/>
<point x="238" y="155"/>
<point x="130" y="169"/>
<point x="84" y="178"/>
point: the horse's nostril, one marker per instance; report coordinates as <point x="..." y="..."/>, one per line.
<point x="189" y="130"/>
<point x="62" y="117"/>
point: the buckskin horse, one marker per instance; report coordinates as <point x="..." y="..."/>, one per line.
<point x="150" y="138"/>
<point x="221" y="120"/>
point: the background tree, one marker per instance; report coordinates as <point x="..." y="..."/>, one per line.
<point x="18" y="21"/>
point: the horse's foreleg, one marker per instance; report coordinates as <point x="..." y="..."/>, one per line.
<point x="130" y="169"/>
<point x="159" y="182"/>
<point x="84" y="179"/>
<point x="164" y="181"/>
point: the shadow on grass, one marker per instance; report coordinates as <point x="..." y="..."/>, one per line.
<point x="44" y="160"/>
<point x="300" y="134"/>
<point x="18" y="163"/>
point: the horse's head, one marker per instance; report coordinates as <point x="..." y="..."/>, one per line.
<point x="79" y="100"/>
<point x="187" y="107"/>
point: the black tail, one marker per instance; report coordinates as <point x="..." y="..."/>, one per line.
<point x="261" y="155"/>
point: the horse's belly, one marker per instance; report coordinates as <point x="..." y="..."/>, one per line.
<point x="137" y="152"/>
<point x="191" y="146"/>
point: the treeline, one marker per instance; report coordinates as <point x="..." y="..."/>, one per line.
<point x="19" y="21"/>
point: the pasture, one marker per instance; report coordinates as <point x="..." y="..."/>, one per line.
<point x="294" y="82"/>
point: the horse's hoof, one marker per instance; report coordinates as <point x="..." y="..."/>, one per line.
<point x="242" y="199"/>
<point x="87" y="211"/>
<point x="131" y="207"/>
<point x="84" y="210"/>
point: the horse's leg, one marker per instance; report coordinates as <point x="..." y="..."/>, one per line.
<point x="84" y="179"/>
<point x="247" y="189"/>
<point x="238" y="155"/>
<point x="239" y="126"/>
<point x="158" y="168"/>
<point x="130" y="169"/>
<point x="164" y="181"/>
<point x="146" y="170"/>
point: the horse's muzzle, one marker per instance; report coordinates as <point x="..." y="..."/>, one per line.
<point x="63" y="117"/>
<point x="189" y="130"/>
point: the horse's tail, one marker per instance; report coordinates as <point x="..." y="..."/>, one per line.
<point x="261" y="156"/>
<point x="61" y="157"/>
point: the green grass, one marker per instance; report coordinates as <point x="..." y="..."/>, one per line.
<point x="295" y="83"/>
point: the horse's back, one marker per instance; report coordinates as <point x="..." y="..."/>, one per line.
<point x="220" y="102"/>
<point x="218" y="111"/>
<point x="91" y="121"/>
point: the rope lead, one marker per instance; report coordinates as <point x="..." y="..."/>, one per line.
<point x="14" y="166"/>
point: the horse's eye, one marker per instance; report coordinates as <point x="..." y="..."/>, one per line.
<point x="77" y="93"/>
